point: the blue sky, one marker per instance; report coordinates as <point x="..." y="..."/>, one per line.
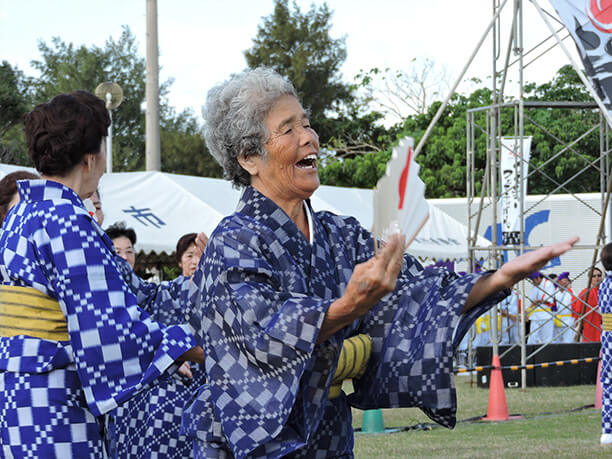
<point x="202" y="41"/>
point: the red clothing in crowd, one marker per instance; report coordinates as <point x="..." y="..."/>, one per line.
<point x="591" y="329"/>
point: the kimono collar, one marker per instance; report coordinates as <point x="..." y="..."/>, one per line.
<point x="44" y="190"/>
<point x="260" y="207"/>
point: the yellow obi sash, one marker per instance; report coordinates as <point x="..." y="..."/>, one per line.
<point x="559" y="321"/>
<point x="483" y="323"/>
<point x="353" y="361"/>
<point x="606" y="321"/>
<point x="27" y="311"/>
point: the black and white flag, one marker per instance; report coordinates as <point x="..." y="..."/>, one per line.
<point x="590" y="24"/>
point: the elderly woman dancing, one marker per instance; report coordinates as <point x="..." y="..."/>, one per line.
<point x="282" y="286"/>
<point x="73" y="342"/>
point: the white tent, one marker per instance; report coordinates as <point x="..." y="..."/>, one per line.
<point x="161" y="207"/>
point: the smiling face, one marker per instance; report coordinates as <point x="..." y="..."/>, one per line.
<point x="95" y="199"/>
<point x="125" y="249"/>
<point x="597" y="277"/>
<point x="289" y="171"/>
<point x="189" y="260"/>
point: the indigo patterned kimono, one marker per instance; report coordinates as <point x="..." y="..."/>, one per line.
<point x="148" y="424"/>
<point x="605" y="304"/>
<point x="54" y="393"/>
<point x="261" y="294"/>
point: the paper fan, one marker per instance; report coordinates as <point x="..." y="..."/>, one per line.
<point x="399" y="196"/>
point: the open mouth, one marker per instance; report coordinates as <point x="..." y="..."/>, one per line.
<point x="309" y="162"/>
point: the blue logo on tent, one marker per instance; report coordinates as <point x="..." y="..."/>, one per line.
<point x="531" y="222"/>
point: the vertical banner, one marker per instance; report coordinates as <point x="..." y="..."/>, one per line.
<point x="511" y="181"/>
<point x="590" y="24"/>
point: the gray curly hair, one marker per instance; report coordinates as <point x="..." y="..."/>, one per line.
<point x="235" y="114"/>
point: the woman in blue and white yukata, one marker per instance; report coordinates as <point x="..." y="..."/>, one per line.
<point x="148" y="424"/>
<point x="73" y="342"/>
<point x="281" y="286"/>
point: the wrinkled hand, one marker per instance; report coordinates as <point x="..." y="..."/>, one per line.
<point x="376" y="277"/>
<point x="369" y="282"/>
<point x="185" y="370"/>
<point x="200" y="242"/>
<point x="519" y="268"/>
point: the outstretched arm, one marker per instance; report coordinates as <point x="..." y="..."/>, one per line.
<point x="515" y="270"/>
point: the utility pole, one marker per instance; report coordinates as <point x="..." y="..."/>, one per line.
<point x="152" y="149"/>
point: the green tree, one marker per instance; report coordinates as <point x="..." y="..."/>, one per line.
<point x="443" y="159"/>
<point x="64" y="67"/>
<point x="562" y="126"/>
<point x="14" y="103"/>
<point x="184" y="149"/>
<point x="299" y="46"/>
<point x="13" y="99"/>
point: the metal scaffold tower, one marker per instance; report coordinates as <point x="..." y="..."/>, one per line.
<point x="502" y="125"/>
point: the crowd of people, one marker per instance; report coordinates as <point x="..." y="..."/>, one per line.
<point x="235" y="357"/>
<point x="554" y="314"/>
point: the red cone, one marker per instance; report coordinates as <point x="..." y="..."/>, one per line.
<point x="498" y="409"/>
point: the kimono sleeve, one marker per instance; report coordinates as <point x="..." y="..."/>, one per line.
<point x="164" y="301"/>
<point x="415" y="331"/>
<point x="258" y="338"/>
<point x="145" y="292"/>
<point x="169" y="306"/>
<point x="117" y="347"/>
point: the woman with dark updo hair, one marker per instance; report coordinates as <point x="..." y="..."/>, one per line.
<point x="73" y="342"/>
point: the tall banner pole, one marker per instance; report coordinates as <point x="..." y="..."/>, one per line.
<point x="152" y="145"/>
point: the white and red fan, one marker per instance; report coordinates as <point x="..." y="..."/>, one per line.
<point x="399" y="196"/>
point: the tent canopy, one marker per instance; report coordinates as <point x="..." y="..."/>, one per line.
<point x="162" y="207"/>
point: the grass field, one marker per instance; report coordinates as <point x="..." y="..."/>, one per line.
<point x="556" y="423"/>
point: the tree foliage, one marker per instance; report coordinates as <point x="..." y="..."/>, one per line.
<point x="14" y="103"/>
<point x="13" y="100"/>
<point x="555" y="165"/>
<point x="443" y="160"/>
<point x="400" y="93"/>
<point x="299" y="46"/>
<point x="184" y="150"/>
<point x="64" y="67"/>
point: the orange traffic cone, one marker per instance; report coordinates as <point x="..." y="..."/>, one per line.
<point x="498" y="409"/>
<point x="598" y="393"/>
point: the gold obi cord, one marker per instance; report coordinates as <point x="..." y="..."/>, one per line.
<point x="353" y="361"/>
<point x="606" y="321"/>
<point x="27" y="311"/>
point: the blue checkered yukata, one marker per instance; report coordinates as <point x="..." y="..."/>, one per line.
<point x="148" y="424"/>
<point x="53" y="393"/>
<point x="261" y="294"/>
<point x="605" y="304"/>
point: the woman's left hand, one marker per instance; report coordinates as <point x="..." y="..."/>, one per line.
<point x="200" y="242"/>
<point x="185" y="370"/>
<point x="516" y="270"/>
